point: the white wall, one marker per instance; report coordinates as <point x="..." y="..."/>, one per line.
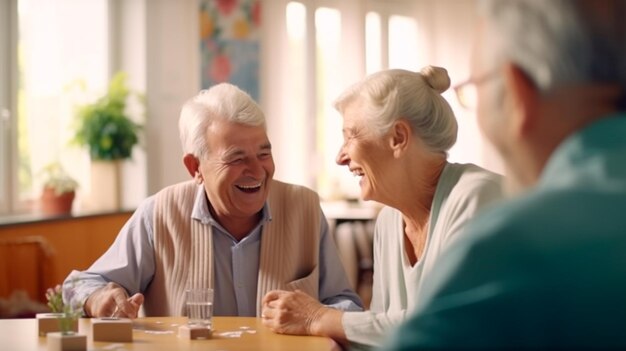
<point x="128" y="34"/>
<point x="172" y="76"/>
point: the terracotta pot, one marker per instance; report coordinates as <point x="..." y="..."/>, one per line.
<point x="53" y="204"/>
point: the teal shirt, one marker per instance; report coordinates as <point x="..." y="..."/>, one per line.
<point x="546" y="269"/>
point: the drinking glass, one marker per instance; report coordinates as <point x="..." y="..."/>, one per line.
<point x="199" y="303"/>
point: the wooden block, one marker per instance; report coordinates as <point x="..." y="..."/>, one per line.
<point x="112" y="329"/>
<point x="49" y="323"/>
<point x="58" y="341"/>
<point x="190" y="332"/>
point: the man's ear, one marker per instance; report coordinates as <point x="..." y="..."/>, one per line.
<point x="399" y="136"/>
<point x="524" y="99"/>
<point x="192" y="164"/>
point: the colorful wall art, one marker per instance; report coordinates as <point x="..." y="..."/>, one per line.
<point x="229" y="43"/>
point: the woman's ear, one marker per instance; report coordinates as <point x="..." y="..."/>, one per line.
<point x="400" y="136"/>
<point x="192" y="164"/>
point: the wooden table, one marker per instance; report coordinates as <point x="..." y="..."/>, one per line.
<point x="161" y="333"/>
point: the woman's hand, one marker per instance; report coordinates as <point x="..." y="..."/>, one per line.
<point x="287" y="312"/>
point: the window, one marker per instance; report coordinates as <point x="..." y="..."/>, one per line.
<point x="328" y="84"/>
<point x="373" y="43"/>
<point x="297" y="105"/>
<point x="330" y="48"/>
<point x="332" y="44"/>
<point x="61" y="54"/>
<point x="6" y="27"/>
<point x="403" y="43"/>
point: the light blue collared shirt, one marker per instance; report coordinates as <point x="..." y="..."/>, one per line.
<point x="130" y="263"/>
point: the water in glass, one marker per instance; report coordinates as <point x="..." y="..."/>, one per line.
<point x="200" y="313"/>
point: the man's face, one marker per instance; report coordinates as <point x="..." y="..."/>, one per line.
<point x="494" y="111"/>
<point x="489" y="110"/>
<point x="238" y="169"/>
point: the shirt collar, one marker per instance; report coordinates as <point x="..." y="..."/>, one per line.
<point x="200" y="210"/>
<point x="588" y="143"/>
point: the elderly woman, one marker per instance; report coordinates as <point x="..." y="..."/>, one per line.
<point x="397" y="130"/>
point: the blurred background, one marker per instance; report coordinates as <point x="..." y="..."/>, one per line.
<point x="293" y="57"/>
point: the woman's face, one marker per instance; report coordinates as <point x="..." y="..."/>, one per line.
<point x="365" y="154"/>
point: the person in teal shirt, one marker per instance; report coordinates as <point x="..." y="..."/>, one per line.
<point x="546" y="268"/>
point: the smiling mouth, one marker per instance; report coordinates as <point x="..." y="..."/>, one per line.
<point x="357" y="172"/>
<point x="250" y="189"/>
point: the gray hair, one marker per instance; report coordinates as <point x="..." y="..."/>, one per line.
<point x="393" y="94"/>
<point x="222" y="101"/>
<point x="557" y="42"/>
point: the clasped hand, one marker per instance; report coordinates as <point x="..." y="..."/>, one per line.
<point x="113" y="301"/>
<point x="288" y="312"/>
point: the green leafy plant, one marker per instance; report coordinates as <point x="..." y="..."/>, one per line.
<point x="69" y="313"/>
<point x="55" y="299"/>
<point x="55" y="177"/>
<point x="105" y="127"/>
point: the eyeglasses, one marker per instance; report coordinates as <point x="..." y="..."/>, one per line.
<point x="467" y="91"/>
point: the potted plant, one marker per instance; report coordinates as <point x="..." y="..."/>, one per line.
<point x="59" y="190"/>
<point x="106" y="128"/>
<point x="54" y="320"/>
<point x="65" y="336"/>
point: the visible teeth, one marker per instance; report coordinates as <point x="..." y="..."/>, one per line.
<point x="249" y="186"/>
<point x="357" y="173"/>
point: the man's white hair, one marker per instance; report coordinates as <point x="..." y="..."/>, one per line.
<point x="222" y="101"/>
<point x="558" y="42"/>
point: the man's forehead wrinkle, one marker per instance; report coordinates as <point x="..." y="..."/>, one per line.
<point x="238" y="151"/>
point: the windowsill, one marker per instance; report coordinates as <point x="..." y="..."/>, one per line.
<point x="28" y="218"/>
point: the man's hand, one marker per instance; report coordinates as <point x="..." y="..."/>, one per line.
<point x="287" y="312"/>
<point x="112" y="301"/>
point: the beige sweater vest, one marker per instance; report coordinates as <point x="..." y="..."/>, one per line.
<point x="184" y="253"/>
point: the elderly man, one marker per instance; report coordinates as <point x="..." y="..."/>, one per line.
<point x="232" y="228"/>
<point x="547" y="268"/>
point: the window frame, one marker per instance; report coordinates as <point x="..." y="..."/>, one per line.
<point x="8" y="104"/>
<point x="10" y="201"/>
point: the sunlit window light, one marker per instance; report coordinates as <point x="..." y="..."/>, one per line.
<point x="403" y="43"/>
<point x="328" y="35"/>
<point x="373" y="49"/>
<point x="296" y="20"/>
<point x="293" y="104"/>
<point x="62" y="58"/>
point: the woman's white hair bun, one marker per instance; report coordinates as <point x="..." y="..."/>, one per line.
<point x="436" y="77"/>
